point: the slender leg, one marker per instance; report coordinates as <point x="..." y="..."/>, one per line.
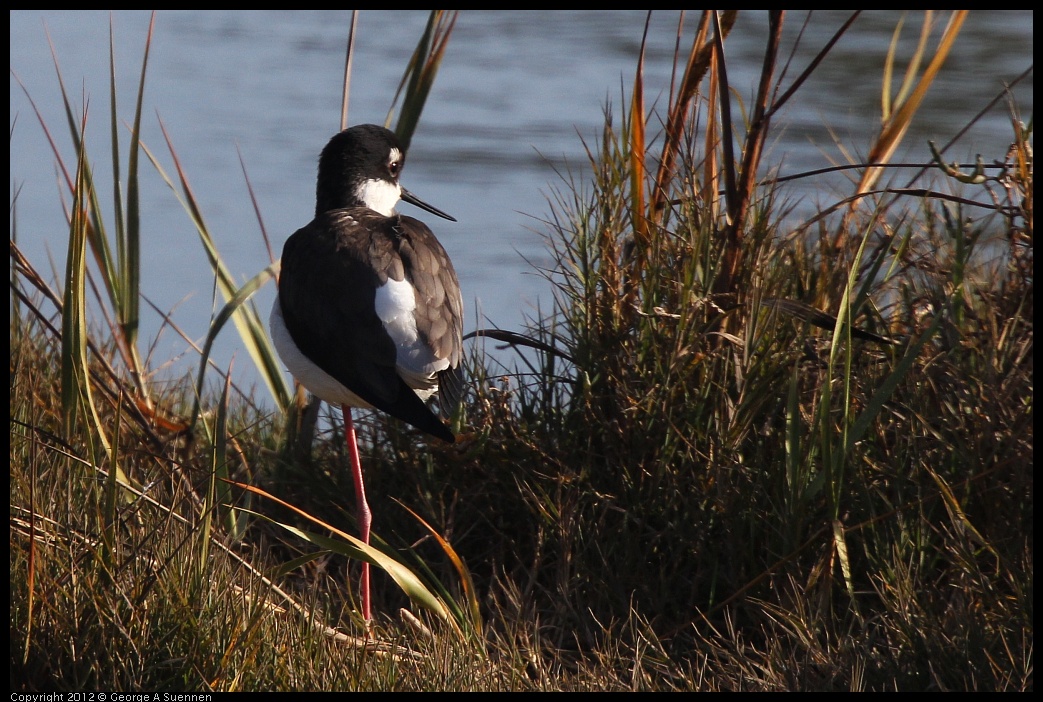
<point x="363" y="514"/>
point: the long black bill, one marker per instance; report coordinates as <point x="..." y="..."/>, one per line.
<point x="414" y="200"/>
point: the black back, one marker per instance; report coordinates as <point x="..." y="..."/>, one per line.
<point x="331" y="269"/>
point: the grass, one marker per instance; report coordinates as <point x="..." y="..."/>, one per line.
<point x="749" y="456"/>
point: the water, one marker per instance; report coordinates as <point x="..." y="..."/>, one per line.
<point x="515" y="94"/>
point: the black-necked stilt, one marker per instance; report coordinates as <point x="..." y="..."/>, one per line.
<point x="369" y="311"/>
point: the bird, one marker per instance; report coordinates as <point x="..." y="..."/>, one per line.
<point x="368" y="311"/>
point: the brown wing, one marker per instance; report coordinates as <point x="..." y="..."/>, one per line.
<point x="440" y="316"/>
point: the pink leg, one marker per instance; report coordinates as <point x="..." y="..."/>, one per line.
<point x="363" y="515"/>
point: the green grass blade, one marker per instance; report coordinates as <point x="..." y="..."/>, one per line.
<point x="76" y="394"/>
<point x="232" y="308"/>
<point x="121" y="275"/>
<point x="461" y="568"/>
<point x="247" y="320"/>
<point x="883" y="393"/>
<point x="128" y="223"/>
<point x="352" y="547"/>
<point x="420" y="73"/>
<point x="74" y="333"/>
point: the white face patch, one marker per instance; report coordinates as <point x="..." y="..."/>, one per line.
<point x="379" y="195"/>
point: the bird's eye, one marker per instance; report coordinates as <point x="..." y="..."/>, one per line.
<point x="395" y="167"/>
